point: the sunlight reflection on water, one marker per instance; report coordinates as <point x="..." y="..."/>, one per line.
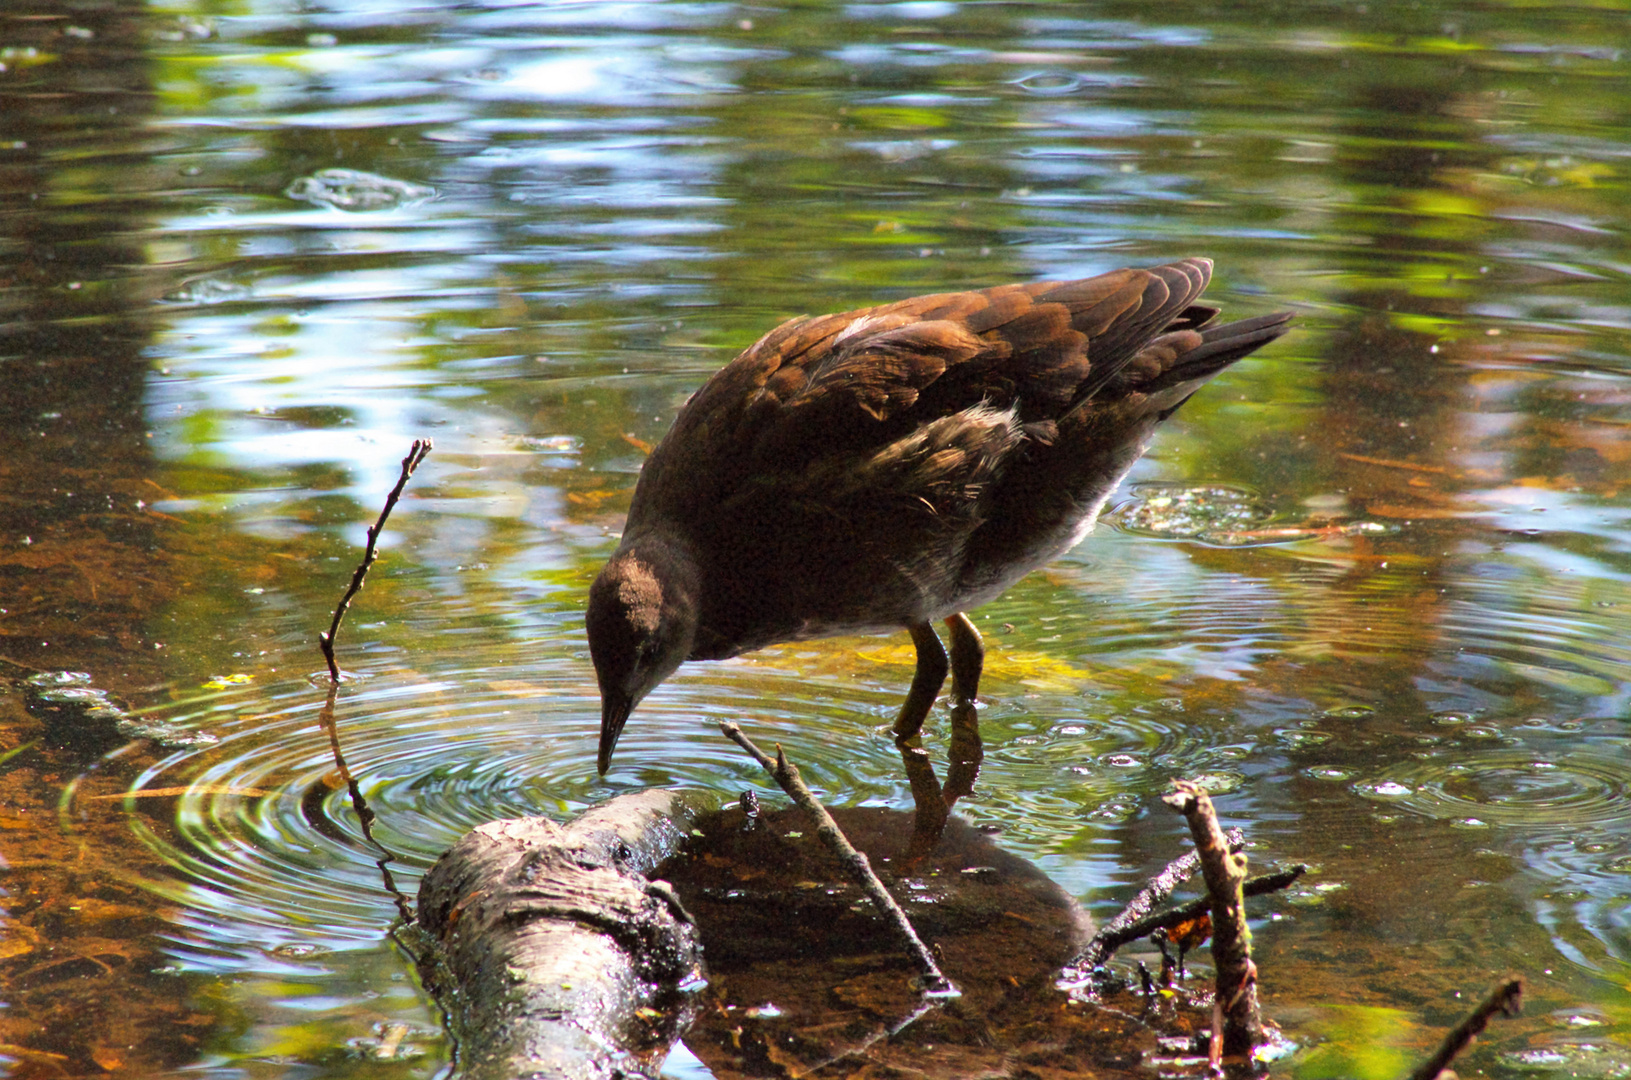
<point x="1373" y="581"/>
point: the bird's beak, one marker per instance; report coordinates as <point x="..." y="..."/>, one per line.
<point x="614" y="713"/>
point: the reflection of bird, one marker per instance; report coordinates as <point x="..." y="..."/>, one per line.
<point x="896" y="465"/>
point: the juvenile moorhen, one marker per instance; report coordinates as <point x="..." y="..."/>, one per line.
<point x="896" y="465"/>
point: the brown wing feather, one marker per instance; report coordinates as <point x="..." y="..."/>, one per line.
<point x="850" y="384"/>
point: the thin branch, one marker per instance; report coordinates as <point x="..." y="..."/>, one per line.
<point x="787" y="775"/>
<point x="1506" y="999"/>
<point x="1113" y="936"/>
<point x="1120" y="930"/>
<point x="1236" y="1016"/>
<point x="416" y="454"/>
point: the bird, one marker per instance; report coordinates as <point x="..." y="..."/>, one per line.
<point x="893" y="467"/>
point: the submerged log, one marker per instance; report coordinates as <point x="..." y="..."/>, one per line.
<point x="806" y="978"/>
<point x="568" y="962"/>
<point x="855" y="863"/>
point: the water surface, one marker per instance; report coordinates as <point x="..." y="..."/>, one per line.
<point x="1372" y="583"/>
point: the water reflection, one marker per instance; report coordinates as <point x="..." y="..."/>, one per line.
<point x="1401" y="643"/>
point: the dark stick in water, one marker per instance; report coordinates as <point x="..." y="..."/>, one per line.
<point x="1506" y="998"/>
<point x="787" y="775"/>
<point x="416" y="454"/>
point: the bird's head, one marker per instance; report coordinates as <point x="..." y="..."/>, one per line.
<point x="642" y="620"/>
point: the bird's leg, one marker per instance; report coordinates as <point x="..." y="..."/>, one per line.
<point x="931" y="675"/>
<point x="967" y="658"/>
<point x="933" y="807"/>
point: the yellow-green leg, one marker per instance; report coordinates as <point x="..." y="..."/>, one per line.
<point x="926" y="683"/>
<point x="967" y="658"/>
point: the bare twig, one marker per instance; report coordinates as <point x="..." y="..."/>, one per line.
<point x="1134" y="921"/>
<point x="1225" y="872"/>
<point x="1112" y="937"/>
<point x="1506" y="999"/>
<point x="416" y="454"/>
<point x="787" y="775"/>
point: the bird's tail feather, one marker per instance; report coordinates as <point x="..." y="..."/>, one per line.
<point x="1220" y="346"/>
<point x="1223" y="345"/>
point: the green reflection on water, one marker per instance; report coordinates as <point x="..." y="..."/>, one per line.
<point x="1363" y="1043"/>
<point x="209" y="383"/>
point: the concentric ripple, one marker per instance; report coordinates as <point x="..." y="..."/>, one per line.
<point x="1561" y="808"/>
<point x="272" y="856"/>
<point x="271" y="851"/>
<point x="1579" y="789"/>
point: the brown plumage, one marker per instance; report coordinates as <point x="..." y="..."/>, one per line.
<point x="896" y="465"/>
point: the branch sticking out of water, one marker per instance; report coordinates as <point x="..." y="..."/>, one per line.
<point x="1506" y="999"/>
<point x="1135" y="920"/>
<point x="787" y="775"/>
<point x="1237" y="1028"/>
<point x="1118" y="933"/>
<point x="416" y="454"/>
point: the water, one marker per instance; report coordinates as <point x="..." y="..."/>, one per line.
<point x="1373" y="583"/>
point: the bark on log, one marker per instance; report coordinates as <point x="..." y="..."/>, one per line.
<point x="568" y="963"/>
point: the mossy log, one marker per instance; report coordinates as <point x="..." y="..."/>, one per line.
<point x="568" y="962"/>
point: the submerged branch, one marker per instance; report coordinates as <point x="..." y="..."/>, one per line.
<point x="1506" y="999"/>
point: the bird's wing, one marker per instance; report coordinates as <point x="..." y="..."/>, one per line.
<point x="850" y="385"/>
